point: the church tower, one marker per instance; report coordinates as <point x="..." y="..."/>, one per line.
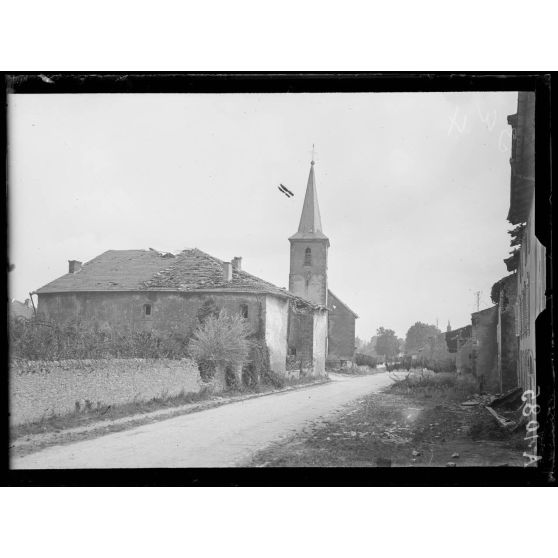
<point x="309" y="246"/>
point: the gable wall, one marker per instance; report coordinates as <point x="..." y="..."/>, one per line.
<point x="341" y="332"/>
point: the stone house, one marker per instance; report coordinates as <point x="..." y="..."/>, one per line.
<point x="308" y="279"/>
<point x="341" y="331"/>
<point x="17" y="309"/>
<point x="459" y="342"/>
<point x="146" y="290"/>
<point x="528" y="258"/>
<point x="485" y="347"/>
<point x="163" y="292"/>
<point x="504" y="293"/>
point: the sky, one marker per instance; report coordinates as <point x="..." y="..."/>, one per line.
<point x="413" y="189"/>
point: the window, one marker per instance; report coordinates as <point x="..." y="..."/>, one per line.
<point x="308" y="257"/>
<point x="147" y="310"/>
<point x="244" y="311"/>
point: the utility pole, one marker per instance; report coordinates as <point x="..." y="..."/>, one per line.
<point x="477" y="295"/>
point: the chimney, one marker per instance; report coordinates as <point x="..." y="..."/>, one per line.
<point x="237" y="263"/>
<point x="227" y="271"/>
<point x="74" y="266"/>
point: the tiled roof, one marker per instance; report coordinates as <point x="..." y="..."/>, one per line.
<point x="149" y="270"/>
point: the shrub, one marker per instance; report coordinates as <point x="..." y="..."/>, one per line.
<point x="37" y="339"/>
<point x="430" y="382"/>
<point x="365" y="360"/>
<point x="272" y="378"/>
<point x="221" y="341"/>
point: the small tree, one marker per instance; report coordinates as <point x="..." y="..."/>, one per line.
<point x="221" y="341"/>
<point x="418" y="336"/>
<point x="387" y="344"/>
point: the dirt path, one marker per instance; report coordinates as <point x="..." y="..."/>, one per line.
<point x="226" y="436"/>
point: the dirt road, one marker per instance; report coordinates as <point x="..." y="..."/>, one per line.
<point x="226" y="436"/>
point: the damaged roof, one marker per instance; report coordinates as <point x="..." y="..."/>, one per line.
<point x="149" y="270"/>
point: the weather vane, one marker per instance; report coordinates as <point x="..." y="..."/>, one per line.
<point x="313" y="154"/>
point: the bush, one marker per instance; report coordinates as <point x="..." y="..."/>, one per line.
<point x="221" y="341"/>
<point x="430" y="382"/>
<point x="273" y="379"/>
<point x="365" y="360"/>
<point x="37" y="339"/>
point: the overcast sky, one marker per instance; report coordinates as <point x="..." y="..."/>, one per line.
<point x="413" y="189"/>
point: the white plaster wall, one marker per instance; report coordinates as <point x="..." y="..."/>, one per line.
<point x="276" y="321"/>
<point x="320" y="342"/>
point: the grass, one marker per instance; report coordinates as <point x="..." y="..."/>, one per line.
<point x="357" y="370"/>
<point x="417" y="421"/>
<point x="89" y="415"/>
<point x="429" y="385"/>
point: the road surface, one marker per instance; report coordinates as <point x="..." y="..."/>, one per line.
<point x="226" y="436"/>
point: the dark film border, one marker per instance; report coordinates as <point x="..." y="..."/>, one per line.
<point x="318" y="82"/>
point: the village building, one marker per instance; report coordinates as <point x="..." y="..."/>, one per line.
<point x="504" y="293"/>
<point x="146" y="290"/>
<point x="308" y="279"/>
<point x="529" y="260"/>
<point x="459" y="342"/>
<point x="485" y="347"/>
<point x="17" y="309"/>
<point x="164" y="293"/>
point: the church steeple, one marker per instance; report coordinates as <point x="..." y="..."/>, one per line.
<point x="310" y="225"/>
<point x="309" y="246"/>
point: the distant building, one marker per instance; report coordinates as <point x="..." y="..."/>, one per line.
<point x="529" y="259"/>
<point x="459" y="341"/>
<point x="485" y="347"/>
<point x="341" y="331"/>
<point x="17" y="309"/>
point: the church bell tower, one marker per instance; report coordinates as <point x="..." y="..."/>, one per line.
<point x="309" y="246"/>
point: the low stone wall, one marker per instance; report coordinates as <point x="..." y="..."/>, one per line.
<point x="43" y="388"/>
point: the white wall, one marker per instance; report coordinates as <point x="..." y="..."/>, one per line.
<point x="320" y="342"/>
<point x="276" y="321"/>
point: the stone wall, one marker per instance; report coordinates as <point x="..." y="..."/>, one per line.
<point x="300" y="338"/>
<point x="170" y="312"/>
<point x="486" y="347"/>
<point x="341" y="331"/>
<point x="43" y="388"/>
<point x="464" y="357"/>
<point x="309" y="281"/>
